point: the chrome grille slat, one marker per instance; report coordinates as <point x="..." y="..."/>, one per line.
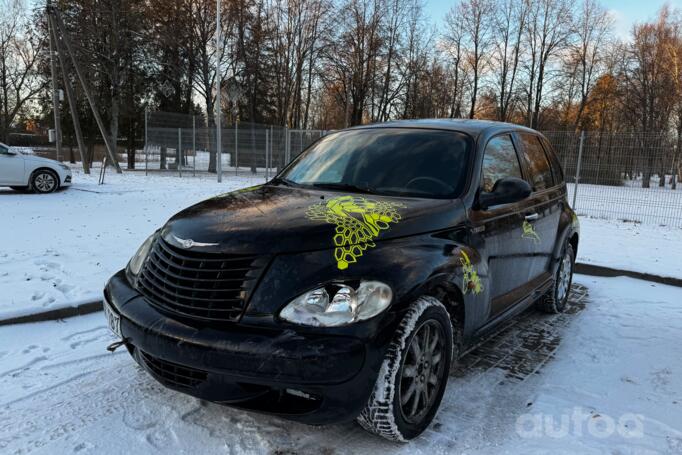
<point x="179" y="281"/>
<point x="180" y="256"/>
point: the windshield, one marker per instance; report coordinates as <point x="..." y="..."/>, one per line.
<point x="390" y="161"/>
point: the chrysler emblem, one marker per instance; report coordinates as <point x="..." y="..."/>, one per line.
<point x="189" y="243"/>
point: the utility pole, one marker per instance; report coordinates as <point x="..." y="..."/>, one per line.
<point x="55" y="98"/>
<point x="88" y="94"/>
<point x="73" y="107"/>
<point x="218" y="114"/>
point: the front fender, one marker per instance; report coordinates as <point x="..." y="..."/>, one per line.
<point x="412" y="266"/>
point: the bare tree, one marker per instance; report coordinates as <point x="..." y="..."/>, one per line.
<point x="593" y="29"/>
<point x="351" y="60"/>
<point x="20" y="80"/>
<point x="548" y="29"/>
<point x="508" y="26"/>
<point x="649" y="81"/>
<point x="477" y="14"/>
<point x="454" y="49"/>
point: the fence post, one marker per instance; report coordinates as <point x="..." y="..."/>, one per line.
<point x="577" y="169"/>
<point x="194" y="145"/>
<point x="178" y="155"/>
<point x="266" y="154"/>
<point x="286" y="145"/>
<point x="236" y="147"/>
<point x="146" y="143"/>
<point x="272" y="146"/>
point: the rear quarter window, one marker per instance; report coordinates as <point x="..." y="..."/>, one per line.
<point x="553" y="161"/>
<point x="540" y="170"/>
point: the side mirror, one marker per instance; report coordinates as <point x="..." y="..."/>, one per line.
<point x="505" y="191"/>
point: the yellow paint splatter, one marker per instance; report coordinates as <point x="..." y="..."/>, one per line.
<point x="358" y="222"/>
<point x="529" y="232"/>
<point x="470" y="279"/>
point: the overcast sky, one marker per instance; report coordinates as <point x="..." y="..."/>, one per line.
<point x="625" y="12"/>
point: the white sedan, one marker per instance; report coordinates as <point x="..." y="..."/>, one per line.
<point x="25" y="171"/>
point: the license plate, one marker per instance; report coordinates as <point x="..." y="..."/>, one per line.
<point x="113" y="320"/>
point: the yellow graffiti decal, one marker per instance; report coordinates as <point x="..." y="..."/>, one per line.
<point x="358" y="222"/>
<point x="529" y="232"/>
<point x="470" y="280"/>
<point x="574" y="217"/>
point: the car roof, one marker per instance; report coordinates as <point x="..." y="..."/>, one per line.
<point x="473" y="127"/>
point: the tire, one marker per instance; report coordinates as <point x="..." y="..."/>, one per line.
<point x="385" y="413"/>
<point x="556" y="299"/>
<point x="44" y="181"/>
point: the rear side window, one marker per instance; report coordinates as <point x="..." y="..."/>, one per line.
<point x="553" y="161"/>
<point x="541" y="173"/>
<point x="499" y="161"/>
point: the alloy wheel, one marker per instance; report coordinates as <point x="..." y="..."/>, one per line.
<point x="44" y="182"/>
<point x="564" y="278"/>
<point x="422" y="371"/>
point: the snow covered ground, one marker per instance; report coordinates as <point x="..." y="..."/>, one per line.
<point x="59" y="249"/>
<point x="646" y="248"/>
<point x="611" y="382"/>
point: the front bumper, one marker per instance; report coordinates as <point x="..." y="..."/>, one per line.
<point x="311" y="378"/>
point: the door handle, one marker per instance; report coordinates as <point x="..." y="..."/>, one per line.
<point x="532" y="217"/>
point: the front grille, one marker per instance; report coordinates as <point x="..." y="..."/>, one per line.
<point x="173" y="374"/>
<point x="198" y="285"/>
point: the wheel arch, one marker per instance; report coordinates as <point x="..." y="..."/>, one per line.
<point x="573" y="240"/>
<point x="44" y="168"/>
<point x="452" y="298"/>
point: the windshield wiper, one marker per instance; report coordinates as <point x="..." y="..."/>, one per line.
<point x="284" y="181"/>
<point x="345" y="187"/>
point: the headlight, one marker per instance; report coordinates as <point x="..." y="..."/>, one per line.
<point x="135" y="264"/>
<point x="338" y="304"/>
<point x="65" y="167"/>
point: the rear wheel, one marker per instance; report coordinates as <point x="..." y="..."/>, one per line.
<point x="44" y="181"/>
<point x="557" y="297"/>
<point x="414" y="374"/>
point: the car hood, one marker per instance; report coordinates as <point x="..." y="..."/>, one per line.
<point x="40" y="159"/>
<point x="271" y="219"/>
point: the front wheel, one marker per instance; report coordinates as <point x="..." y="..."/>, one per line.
<point x="44" y="181"/>
<point x="556" y="299"/>
<point x="414" y="374"/>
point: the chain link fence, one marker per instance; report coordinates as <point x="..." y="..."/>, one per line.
<point x="623" y="176"/>
<point x="186" y="144"/>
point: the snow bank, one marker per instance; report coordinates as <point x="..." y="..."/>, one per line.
<point x="631" y="246"/>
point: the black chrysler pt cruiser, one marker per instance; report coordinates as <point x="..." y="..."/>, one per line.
<point x="344" y="288"/>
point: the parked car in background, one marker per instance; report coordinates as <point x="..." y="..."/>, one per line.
<point x="343" y="288"/>
<point x="23" y="171"/>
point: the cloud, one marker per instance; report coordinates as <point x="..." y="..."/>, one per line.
<point x="622" y="25"/>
